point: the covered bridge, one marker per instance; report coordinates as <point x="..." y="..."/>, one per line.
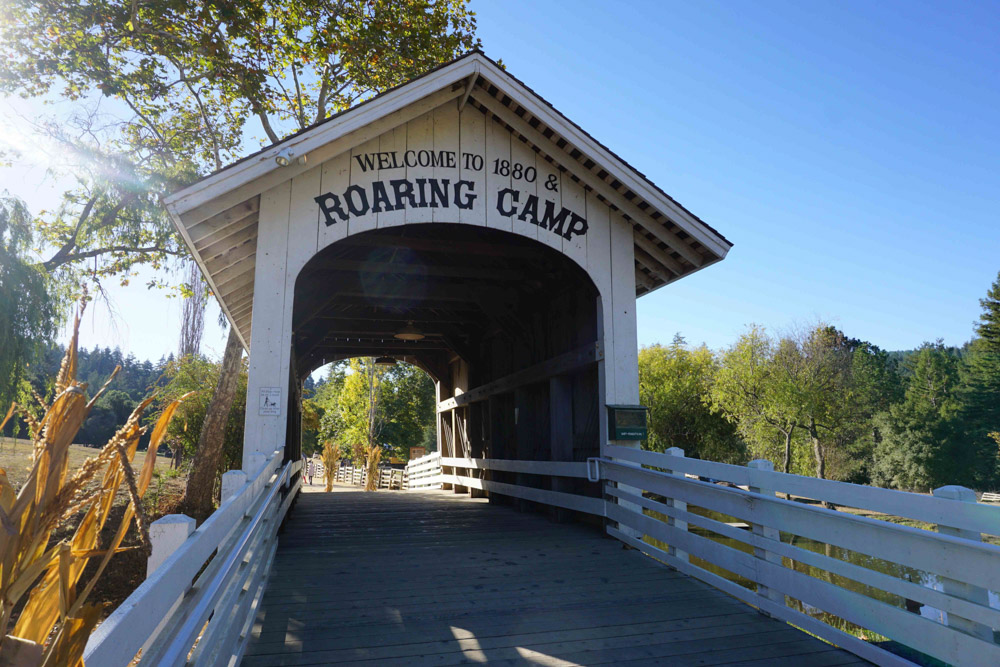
<point x="460" y="223"/>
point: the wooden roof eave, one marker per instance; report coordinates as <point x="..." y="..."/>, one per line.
<point x="209" y="278"/>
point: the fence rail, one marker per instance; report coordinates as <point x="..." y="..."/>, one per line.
<point x="425" y="472"/>
<point x="947" y="575"/>
<point x="388" y="478"/>
<point x="929" y="590"/>
<point x="187" y="612"/>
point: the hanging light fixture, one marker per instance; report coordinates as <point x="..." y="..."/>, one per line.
<point x="409" y="332"/>
<point x="385" y="361"/>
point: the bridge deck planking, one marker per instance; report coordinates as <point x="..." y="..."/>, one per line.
<point x="436" y="578"/>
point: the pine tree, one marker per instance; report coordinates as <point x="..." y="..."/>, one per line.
<point x="981" y="375"/>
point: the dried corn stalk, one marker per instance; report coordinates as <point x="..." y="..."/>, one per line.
<point x="56" y="620"/>
<point x="331" y="459"/>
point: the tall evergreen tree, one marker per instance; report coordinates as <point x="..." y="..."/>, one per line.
<point x="921" y="438"/>
<point x="981" y="396"/>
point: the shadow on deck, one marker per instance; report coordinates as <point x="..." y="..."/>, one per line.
<point x="434" y="578"/>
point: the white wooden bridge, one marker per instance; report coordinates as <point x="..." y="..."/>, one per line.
<point x="428" y="576"/>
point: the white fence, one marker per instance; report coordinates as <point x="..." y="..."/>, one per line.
<point x="388" y="478"/>
<point x="928" y="590"/>
<point x="184" y="614"/>
<point x="424" y="473"/>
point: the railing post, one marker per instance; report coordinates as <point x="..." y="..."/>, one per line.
<point x="961" y="589"/>
<point x="232" y="482"/>
<point x="766" y="532"/>
<point x="676" y="504"/>
<point x="166" y="534"/>
<point x="254" y="464"/>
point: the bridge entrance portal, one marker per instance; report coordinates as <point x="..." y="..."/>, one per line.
<point x="461" y="223"/>
<point x="483" y="309"/>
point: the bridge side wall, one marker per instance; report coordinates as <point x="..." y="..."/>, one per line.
<point x="461" y="167"/>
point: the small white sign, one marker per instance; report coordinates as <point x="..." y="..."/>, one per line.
<point x="270" y="401"/>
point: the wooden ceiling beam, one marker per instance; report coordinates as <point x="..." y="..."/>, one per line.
<point x="657" y="253"/>
<point x="654" y="267"/>
<point x="213" y="228"/>
<point x="452" y="247"/>
<point x="478" y="273"/>
<point x="240" y="236"/>
<point x="237" y="275"/>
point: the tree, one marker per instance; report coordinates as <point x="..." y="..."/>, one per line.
<point x="193" y="75"/>
<point x="199" y="495"/>
<point x="920" y="435"/>
<point x="674" y="382"/>
<point x="198" y="374"/>
<point x="26" y="307"/>
<point x="815" y="376"/>
<point x="410" y="404"/>
<point x="747" y="392"/>
<point x="193" y="312"/>
<point x="981" y="392"/>
<point x="362" y="410"/>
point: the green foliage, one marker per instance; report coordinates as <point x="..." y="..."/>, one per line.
<point x="674" y="382"/>
<point x="980" y="373"/>
<point x="410" y="406"/>
<point x="196" y="73"/>
<point x="747" y="391"/>
<point x="919" y="437"/>
<point x="198" y="374"/>
<point x="814" y="392"/>
<point x="196" y="80"/>
<point x="404" y="408"/>
<point x="26" y="309"/>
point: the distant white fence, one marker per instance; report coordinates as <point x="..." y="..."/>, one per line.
<point x="388" y="478"/>
<point x="184" y="614"/>
<point x="424" y="473"/>
<point x="656" y="503"/>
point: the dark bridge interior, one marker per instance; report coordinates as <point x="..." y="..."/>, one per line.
<point x="493" y="308"/>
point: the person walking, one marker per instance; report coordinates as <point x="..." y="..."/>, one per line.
<point x="310" y="470"/>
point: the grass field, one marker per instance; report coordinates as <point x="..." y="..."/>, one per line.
<point x="15" y="458"/>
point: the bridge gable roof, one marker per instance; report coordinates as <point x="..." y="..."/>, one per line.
<point x="217" y="215"/>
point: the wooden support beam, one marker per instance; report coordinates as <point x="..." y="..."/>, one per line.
<point x="644" y="280"/>
<point x="231" y="275"/>
<point x="470" y="83"/>
<point x="558" y="365"/>
<point x="233" y="256"/>
<point x="656" y="253"/>
<point x="337" y="266"/>
<point x="418" y="321"/>
<point x="234" y="236"/>
<point x="451" y="248"/>
<point x="215" y="227"/>
<point x="589" y="178"/>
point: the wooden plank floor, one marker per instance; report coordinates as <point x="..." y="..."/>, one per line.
<point x="434" y="578"/>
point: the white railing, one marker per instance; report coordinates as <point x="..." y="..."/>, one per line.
<point x="571" y="501"/>
<point x="188" y="612"/>
<point x="424" y="473"/>
<point x="930" y="591"/>
<point x="388" y="478"/>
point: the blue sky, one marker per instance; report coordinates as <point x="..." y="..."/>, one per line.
<point x="849" y="150"/>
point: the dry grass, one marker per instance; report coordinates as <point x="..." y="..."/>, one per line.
<point x="15" y="458"/>
<point x="53" y="522"/>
